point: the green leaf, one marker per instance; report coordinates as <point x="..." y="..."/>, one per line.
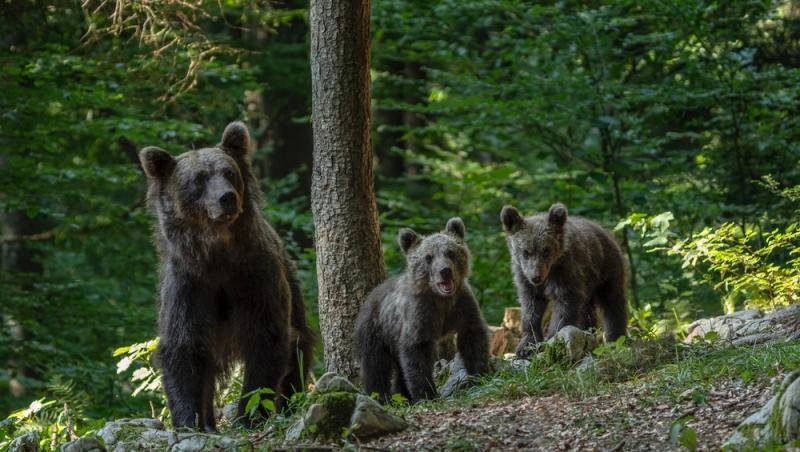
<point x="688" y="438"/>
<point x="252" y="404"/>
<point x="268" y="404"/>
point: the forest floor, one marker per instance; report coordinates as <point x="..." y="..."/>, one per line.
<point x="695" y="397"/>
<point x="633" y="419"/>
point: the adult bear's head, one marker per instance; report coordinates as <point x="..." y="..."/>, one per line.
<point x="204" y="188"/>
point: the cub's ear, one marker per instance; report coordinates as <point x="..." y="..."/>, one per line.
<point x="236" y="139"/>
<point x="407" y="239"/>
<point x="557" y="215"/>
<point x="455" y="226"/>
<point x="156" y="162"/>
<point x="511" y="219"/>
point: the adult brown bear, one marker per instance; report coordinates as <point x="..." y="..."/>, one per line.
<point x="228" y="289"/>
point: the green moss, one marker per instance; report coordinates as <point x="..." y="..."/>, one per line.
<point x="554" y="353"/>
<point x="339" y="407"/>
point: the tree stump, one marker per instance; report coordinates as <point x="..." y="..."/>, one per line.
<point x="505" y="337"/>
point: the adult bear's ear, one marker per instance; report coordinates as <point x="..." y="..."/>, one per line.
<point x="156" y="162"/>
<point x="455" y="226"/>
<point x="407" y="239"/>
<point x="557" y="215"/>
<point x="236" y="139"/>
<point x="511" y="219"/>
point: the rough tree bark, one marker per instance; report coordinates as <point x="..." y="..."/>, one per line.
<point x="347" y="235"/>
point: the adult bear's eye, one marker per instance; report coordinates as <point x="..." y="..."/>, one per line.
<point x="200" y="178"/>
<point x="429" y="258"/>
<point x="227" y="173"/>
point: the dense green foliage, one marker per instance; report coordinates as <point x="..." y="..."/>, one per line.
<point x="622" y="110"/>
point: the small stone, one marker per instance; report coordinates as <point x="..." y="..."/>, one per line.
<point x="578" y="343"/>
<point x="458" y="378"/>
<point x="370" y="419"/>
<point x="230" y="410"/>
<point x="520" y="364"/>
<point x="195" y="442"/>
<point x="130" y="434"/>
<point x="88" y="444"/>
<point x="315" y="414"/>
<point x="29" y="442"/>
<point x="332" y="382"/>
<point x="587" y="364"/>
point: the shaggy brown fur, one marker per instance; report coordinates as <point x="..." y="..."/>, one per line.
<point x="400" y="324"/>
<point x="228" y="289"/>
<point x="573" y="263"/>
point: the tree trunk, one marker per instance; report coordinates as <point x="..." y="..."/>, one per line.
<point x="347" y="235"/>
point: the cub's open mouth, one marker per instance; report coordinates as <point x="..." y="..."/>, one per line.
<point x="446" y="287"/>
<point x="224" y="219"/>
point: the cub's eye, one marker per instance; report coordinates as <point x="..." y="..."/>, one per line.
<point x="545" y="252"/>
<point x="450" y="254"/>
<point x="228" y="173"/>
<point x="526" y="254"/>
<point x="200" y="178"/>
<point x="429" y="258"/>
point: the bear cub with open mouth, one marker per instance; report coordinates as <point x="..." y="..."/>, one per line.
<point x="400" y="324"/>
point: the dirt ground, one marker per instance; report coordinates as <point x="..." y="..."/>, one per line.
<point x="632" y="419"/>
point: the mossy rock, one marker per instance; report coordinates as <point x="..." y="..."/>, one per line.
<point x="150" y="434"/>
<point x="327" y="417"/>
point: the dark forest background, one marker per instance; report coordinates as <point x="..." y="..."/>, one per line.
<point x="675" y="123"/>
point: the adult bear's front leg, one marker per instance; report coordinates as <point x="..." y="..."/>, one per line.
<point x="186" y="355"/>
<point x="266" y="362"/>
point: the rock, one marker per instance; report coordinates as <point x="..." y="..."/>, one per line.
<point x="724" y="325"/>
<point x="230" y="411"/>
<point x="520" y="364"/>
<point x="369" y="419"/>
<point x="191" y="442"/>
<point x="457" y="379"/>
<point x="88" y="444"/>
<point x="326" y="418"/>
<point x="441" y="371"/>
<point x="776" y="424"/>
<point x="578" y="343"/>
<point x="790" y="409"/>
<point x="750" y="327"/>
<point x="131" y="434"/>
<point x="29" y="442"/>
<point x="149" y="434"/>
<point x="315" y="414"/>
<point x="337" y="412"/>
<point x="587" y="364"/>
<point x="332" y="382"/>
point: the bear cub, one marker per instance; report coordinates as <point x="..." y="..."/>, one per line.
<point x="399" y="325"/>
<point x="228" y="290"/>
<point x="573" y="263"/>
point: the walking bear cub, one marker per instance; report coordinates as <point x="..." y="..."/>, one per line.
<point x="400" y="324"/>
<point x="572" y="262"/>
<point x="228" y="289"/>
